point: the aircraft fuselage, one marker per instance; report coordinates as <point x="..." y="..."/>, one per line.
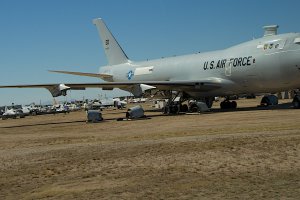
<point x="267" y="64"/>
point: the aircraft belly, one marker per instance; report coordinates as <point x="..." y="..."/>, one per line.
<point x="214" y="93"/>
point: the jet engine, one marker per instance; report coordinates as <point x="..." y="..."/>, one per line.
<point x="58" y="90"/>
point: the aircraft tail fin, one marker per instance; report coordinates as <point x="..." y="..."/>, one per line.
<point x="114" y="53"/>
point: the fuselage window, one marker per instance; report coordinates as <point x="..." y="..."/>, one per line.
<point x="271" y="46"/>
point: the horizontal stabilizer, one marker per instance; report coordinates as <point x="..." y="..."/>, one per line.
<point x="102" y="76"/>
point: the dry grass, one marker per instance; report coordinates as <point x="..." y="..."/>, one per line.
<point x="248" y="154"/>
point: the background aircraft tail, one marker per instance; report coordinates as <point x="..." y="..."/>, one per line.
<point x="113" y="50"/>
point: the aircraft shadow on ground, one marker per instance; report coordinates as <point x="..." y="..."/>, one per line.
<point x="283" y="106"/>
<point x="43" y="124"/>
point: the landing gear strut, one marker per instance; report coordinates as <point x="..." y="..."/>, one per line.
<point x="226" y="104"/>
<point x="173" y="106"/>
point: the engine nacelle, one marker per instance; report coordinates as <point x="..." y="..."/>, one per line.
<point x="139" y="90"/>
<point x="58" y="90"/>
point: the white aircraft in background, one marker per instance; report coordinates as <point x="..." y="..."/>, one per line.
<point x="12" y="113"/>
<point x="266" y="65"/>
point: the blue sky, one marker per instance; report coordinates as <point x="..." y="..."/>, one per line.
<point x="38" y="35"/>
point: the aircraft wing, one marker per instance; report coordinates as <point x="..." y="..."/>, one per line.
<point x="136" y="87"/>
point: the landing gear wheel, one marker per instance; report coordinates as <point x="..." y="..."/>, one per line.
<point x="233" y="104"/>
<point x="296" y="102"/>
<point x="184" y="108"/>
<point x="171" y="109"/>
<point x="228" y="104"/>
<point x="174" y="104"/>
<point x="194" y="108"/>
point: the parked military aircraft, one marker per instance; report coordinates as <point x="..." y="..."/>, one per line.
<point x="11" y="112"/>
<point x="268" y="64"/>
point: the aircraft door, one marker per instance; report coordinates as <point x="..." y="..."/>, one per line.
<point x="281" y="44"/>
<point x="228" y="68"/>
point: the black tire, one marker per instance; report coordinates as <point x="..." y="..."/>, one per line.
<point x="228" y="105"/>
<point x="166" y="110"/>
<point x="194" y="108"/>
<point x="296" y="102"/>
<point x="222" y="105"/>
<point x="233" y="104"/>
<point x="184" y="108"/>
<point x="175" y="109"/>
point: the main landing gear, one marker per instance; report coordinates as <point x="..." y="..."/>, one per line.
<point x="227" y="104"/>
<point x="174" y="105"/>
<point x="179" y="103"/>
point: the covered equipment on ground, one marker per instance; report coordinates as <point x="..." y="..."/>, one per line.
<point x="135" y="112"/>
<point x="94" y="116"/>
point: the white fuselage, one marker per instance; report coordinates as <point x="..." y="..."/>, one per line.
<point x="268" y="64"/>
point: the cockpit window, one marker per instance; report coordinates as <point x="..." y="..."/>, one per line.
<point x="271" y="46"/>
<point x="274" y="44"/>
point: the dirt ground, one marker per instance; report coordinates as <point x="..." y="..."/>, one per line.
<point x="250" y="153"/>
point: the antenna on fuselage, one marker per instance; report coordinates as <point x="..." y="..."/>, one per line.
<point x="270" y="30"/>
